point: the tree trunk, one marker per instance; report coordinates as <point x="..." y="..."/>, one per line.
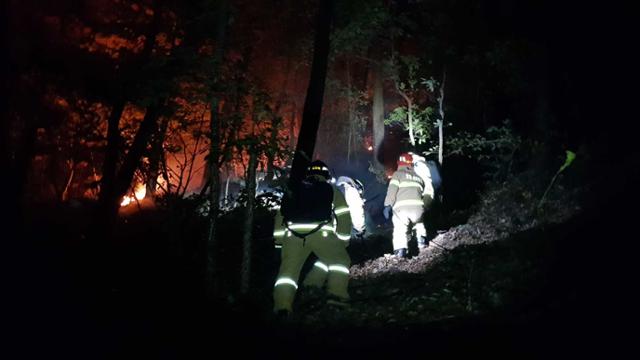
<point x="377" y="115"/>
<point x="276" y="122"/>
<point x="441" y="120"/>
<point x="110" y="163"/>
<point x="132" y="160"/>
<point x="292" y="127"/>
<point x="214" y="158"/>
<point x="315" y="92"/>
<point x="412" y="138"/>
<point x="248" y="221"/>
<point x="18" y="171"/>
<point x="351" y="135"/>
<point x="109" y="191"/>
<point x="155" y="157"/>
<point x="72" y="171"/>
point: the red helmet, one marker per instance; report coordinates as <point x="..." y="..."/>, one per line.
<point x="405" y="159"/>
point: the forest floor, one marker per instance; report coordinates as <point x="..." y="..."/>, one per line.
<point x="510" y="280"/>
<point x="498" y="258"/>
<point x="514" y="279"/>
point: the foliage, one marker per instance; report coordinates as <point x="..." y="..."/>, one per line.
<point x="359" y="23"/>
<point x="494" y="149"/>
<point x="423" y="122"/>
<point x="417" y="115"/>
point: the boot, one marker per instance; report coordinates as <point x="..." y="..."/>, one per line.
<point x="422" y="243"/>
<point x="400" y="253"/>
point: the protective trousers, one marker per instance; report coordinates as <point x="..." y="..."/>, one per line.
<point x="405" y="219"/>
<point x="330" y="251"/>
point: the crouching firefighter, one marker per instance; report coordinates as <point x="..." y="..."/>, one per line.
<point x="315" y="219"/>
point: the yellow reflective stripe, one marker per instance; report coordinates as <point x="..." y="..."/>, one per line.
<point x="394" y="182"/>
<point x="321" y="265"/>
<point x="409" y="202"/>
<point x="339" y="268"/>
<point x="278" y="246"/>
<point x="286" y="281"/>
<point x="343" y="237"/>
<point x="279" y="233"/>
<point x="342" y="210"/>
<point x="309" y="227"/>
<point x="407" y="184"/>
<point x="324" y="168"/>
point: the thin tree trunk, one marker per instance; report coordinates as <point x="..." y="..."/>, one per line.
<point x="192" y="161"/>
<point x="165" y="172"/>
<point x="226" y="190"/>
<point x="155" y="158"/>
<point x="350" y="143"/>
<point x="20" y="167"/>
<point x="134" y="155"/>
<point x="377" y="115"/>
<point x="315" y="92"/>
<point x="248" y="221"/>
<point x="292" y="127"/>
<point x="110" y="164"/>
<point x="276" y="122"/>
<point x="441" y="121"/>
<point x="214" y="201"/>
<point x="65" y="192"/>
<point x="214" y="159"/>
<point x="412" y="138"/>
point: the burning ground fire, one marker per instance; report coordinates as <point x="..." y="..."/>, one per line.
<point x="139" y="192"/>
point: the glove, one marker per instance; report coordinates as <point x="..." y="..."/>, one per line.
<point x="387" y="212"/>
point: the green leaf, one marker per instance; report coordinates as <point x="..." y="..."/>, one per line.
<point x="570" y="157"/>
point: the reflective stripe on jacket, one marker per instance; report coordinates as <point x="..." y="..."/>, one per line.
<point x="340" y="226"/>
<point x="405" y="189"/>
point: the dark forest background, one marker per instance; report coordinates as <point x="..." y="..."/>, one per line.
<point x="200" y="103"/>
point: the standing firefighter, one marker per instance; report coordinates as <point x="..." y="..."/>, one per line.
<point x="352" y="190"/>
<point x="315" y="219"/>
<point x="404" y="200"/>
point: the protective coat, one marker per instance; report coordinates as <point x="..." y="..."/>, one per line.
<point x="404" y="195"/>
<point x="328" y="244"/>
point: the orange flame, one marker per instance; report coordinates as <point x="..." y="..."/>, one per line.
<point x="139" y="192"/>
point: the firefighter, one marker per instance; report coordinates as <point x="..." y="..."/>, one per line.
<point x="422" y="169"/>
<point x="352" y="190"/>
<point x="326" y="239"/>
<point x="404" y="201"/>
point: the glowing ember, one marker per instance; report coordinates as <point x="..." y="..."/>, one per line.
<point x="139" y="192"/>
<point x="370" y="148"/>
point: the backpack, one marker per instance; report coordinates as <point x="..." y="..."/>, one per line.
<point x="311" y="202"/>
<point x="436" y="178"/>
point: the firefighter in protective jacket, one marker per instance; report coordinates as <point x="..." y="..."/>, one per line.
<point x="352" y="190"/>
<point x="328" y="243"/>
<point x="404" y="200"/>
